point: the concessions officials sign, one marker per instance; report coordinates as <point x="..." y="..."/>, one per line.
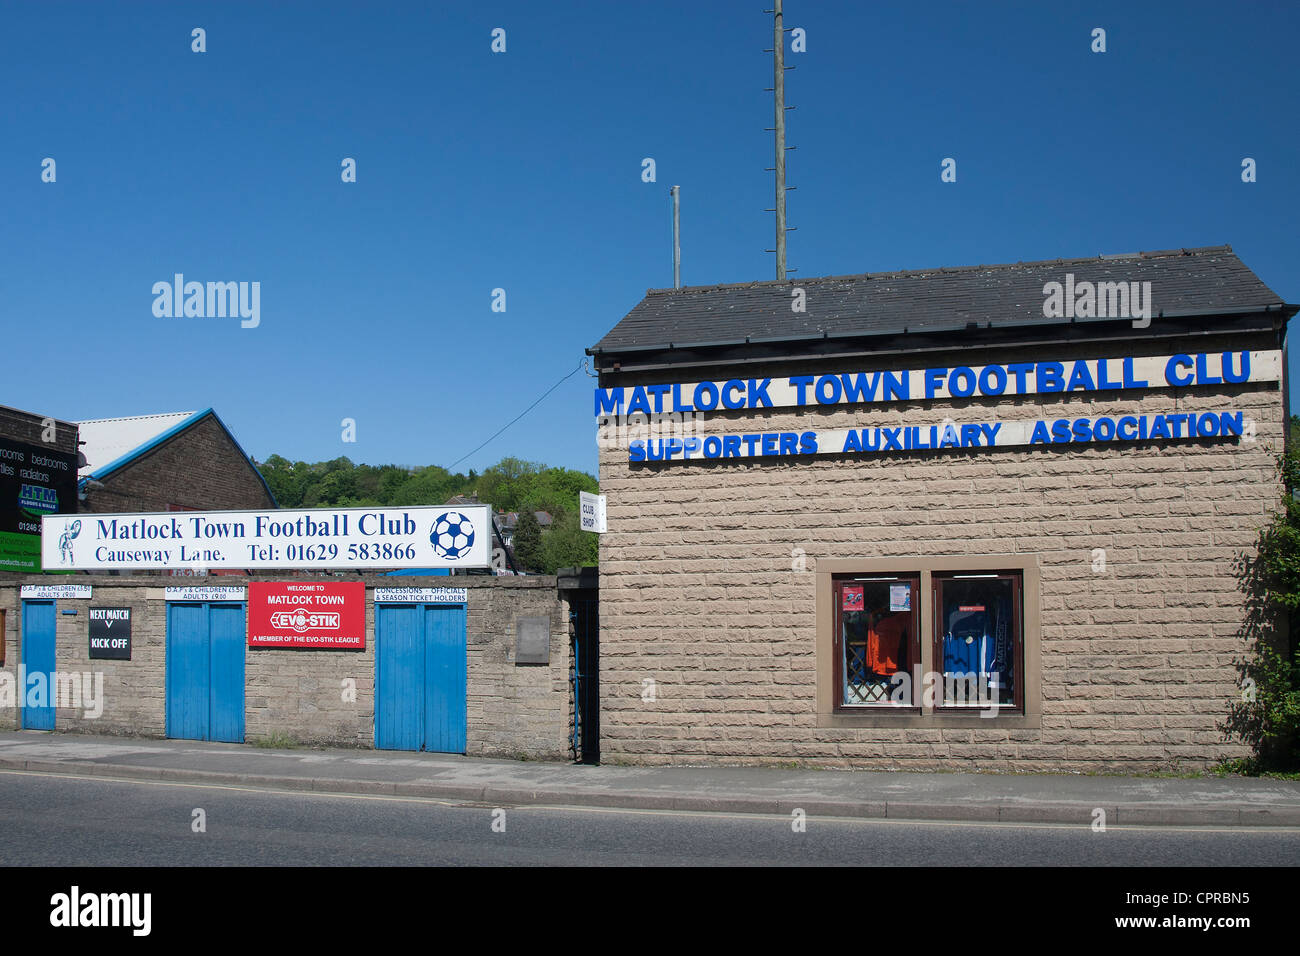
<point x="382" y="538"/>
<point x="320" y="615"/>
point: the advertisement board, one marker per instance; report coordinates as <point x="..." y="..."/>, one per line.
<point x="381" y="538"/>
<point x="323" y="615"/>
<point x="35" y="481"/>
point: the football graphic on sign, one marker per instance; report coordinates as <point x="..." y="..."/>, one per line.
<point x="452" y="535"/>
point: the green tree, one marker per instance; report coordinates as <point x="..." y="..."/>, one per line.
<point x="508" y="484"/>
<point x="392" y="479"/>
<point x="1268" y="716"/>
<point x="556" y="490"/>
<point x="286" y="480"/>
<point x="428" y="486"/>
<point x="566" y="545"/>
<point x="512" y="484"/>
<point x="335" y="487"/>
<point x="528" y="542"/>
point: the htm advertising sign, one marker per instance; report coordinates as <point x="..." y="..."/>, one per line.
<point x="34" y="482"/>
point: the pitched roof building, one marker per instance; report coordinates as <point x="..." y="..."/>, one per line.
<point x="180" y="461"/>
<point x="981" y="517"/>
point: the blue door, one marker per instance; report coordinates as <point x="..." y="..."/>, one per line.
<point x="38" y="658"/>
<point x="420" y="672"/>
<point x="444" y="694"/>
<point x="226" y="648"/>
<point x="205" y="671"/>
<point x="399" y="677"/>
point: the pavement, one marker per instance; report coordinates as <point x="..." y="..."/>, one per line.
<point x="986" y="797"/>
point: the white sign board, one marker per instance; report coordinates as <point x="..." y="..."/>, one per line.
<point x="980" y="381"/>
<point x="591" y="512"/>
<point x="422" y="595"/>
<point x="55" y="591"/>
<point x="202" y="593"/>
<point x="447" y="536"/>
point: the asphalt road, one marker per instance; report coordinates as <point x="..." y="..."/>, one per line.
<point x="63" y="820"/>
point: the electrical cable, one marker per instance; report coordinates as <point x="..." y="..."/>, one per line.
<point x="517" y="417"/>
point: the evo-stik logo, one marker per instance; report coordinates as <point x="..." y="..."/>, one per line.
<point x="179" y="298"/>
<point x="1100" y="300"/>
<point x="75" y="909"/>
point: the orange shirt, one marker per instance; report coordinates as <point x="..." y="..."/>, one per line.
<point x="886" y="642"/>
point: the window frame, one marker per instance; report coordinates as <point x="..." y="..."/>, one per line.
<point x="937" y="580"/>
<point x="828" y="715"/>
<point x="913" y="580"/>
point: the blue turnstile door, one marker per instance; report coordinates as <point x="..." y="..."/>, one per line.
<point x="420" y="671"/>
<point x="38" y="658"/>
<point x="205" y="671"/>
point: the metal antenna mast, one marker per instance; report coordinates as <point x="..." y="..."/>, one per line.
<point x="778" y="91"/>
<point x="677" y="236"/>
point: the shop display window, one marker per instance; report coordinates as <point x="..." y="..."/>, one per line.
<point x="978" y="639"/>
<point x="877" y="636"/>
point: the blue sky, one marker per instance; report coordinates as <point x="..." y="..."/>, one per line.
<point x="522" y="171"/>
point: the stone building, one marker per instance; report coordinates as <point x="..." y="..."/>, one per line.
<point x="984" y="517"/>
<point x="179" y="461"/>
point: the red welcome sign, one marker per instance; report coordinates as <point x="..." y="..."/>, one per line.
<point x="325" y="615"/>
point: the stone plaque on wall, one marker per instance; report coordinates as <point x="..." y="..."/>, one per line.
<point x="532" y="640"/>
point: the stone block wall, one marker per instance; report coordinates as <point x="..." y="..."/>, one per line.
<point x="512" y="710"/>
<point x="708" y="580"/>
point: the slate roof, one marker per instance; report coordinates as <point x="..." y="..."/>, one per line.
<point x="1184" y="282"/>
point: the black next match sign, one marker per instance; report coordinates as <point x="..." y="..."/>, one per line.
<point x="110" y="633"/>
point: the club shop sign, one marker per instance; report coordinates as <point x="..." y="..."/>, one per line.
<point x="388" y="538"/>
<point x="962" y="381"/>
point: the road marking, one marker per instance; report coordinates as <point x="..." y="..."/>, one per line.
<point x="707" y="814"/>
